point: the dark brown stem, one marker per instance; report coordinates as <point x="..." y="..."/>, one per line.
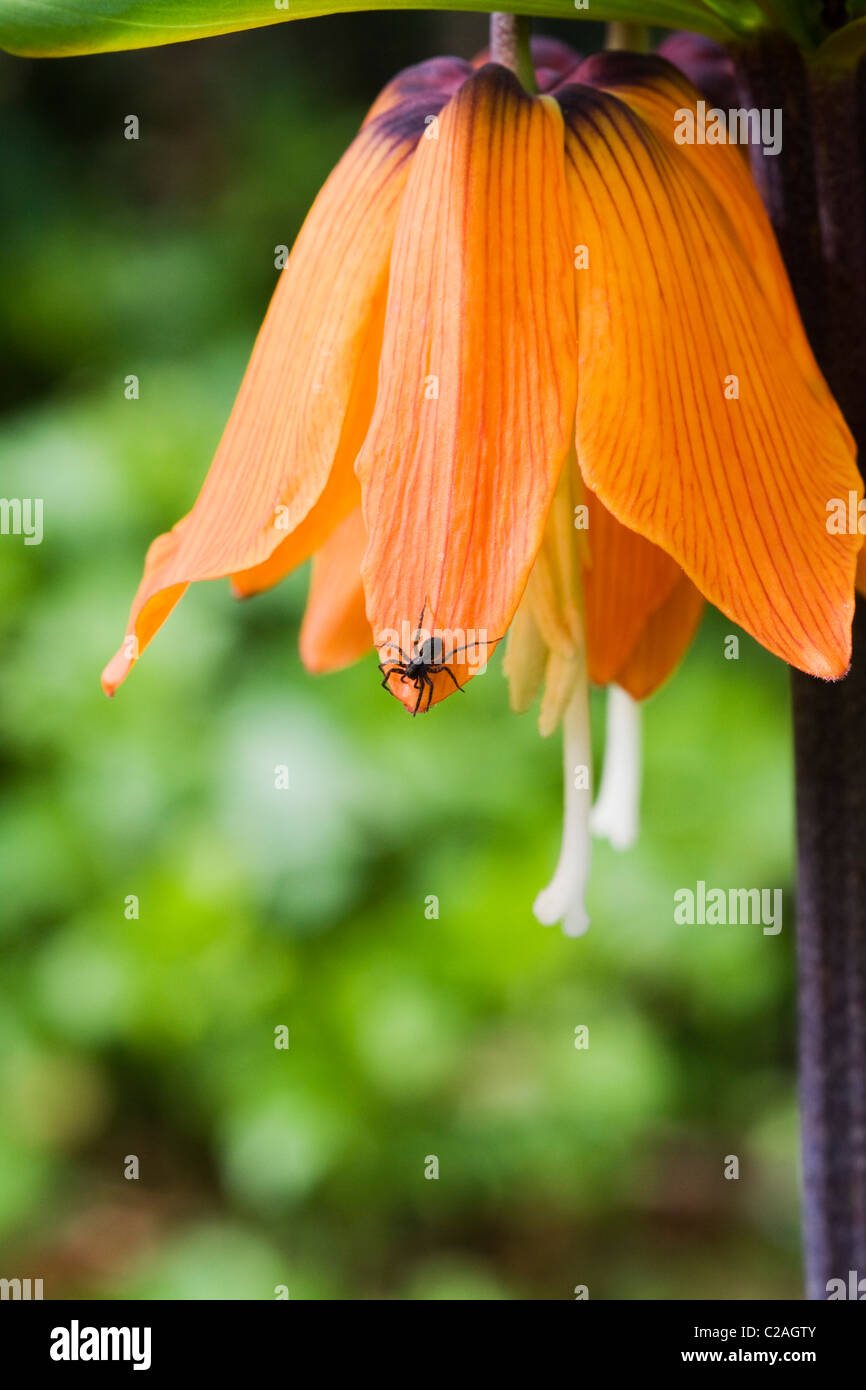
<point x="775" y="76"/>
<point x="830" y="752"/>
<point x="816" y="195"/>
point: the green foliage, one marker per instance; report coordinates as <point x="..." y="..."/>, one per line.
<point x="845" y="48"/>
<point x="408" y="1036"/>
<point x="51" y="28"/>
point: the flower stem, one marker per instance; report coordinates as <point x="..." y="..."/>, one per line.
<point x="633" y="37"/>
<point x="509" y="45"/>
<point x="830" y="758"/>
<point x="830" y="754"/>
<point x="816" y="197"/>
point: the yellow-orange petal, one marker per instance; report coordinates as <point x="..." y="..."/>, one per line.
<point x="525" y="657"/>
<point x="663" y="641"/>
<point x="335" y="631"/>
<point x="698" y="424"/>
<point x="477" y="384"/>
<point x="546" y="638"/>
<point x="306" y="396"/>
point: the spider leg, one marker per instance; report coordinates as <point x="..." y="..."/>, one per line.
<point x="417" y="633"/>
<point x="395" y="669"/>
<point x="467" y="645"/>
<point x="422" y="681"/>
<point x="406" y="659"/>
<point x="438" y="666"/>
<point x="449" y="672"/>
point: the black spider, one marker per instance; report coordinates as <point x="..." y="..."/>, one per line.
<point x="426" y="660"/>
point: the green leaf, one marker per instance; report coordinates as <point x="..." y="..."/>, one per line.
<point x="844" y="50"/>
<point x="56" y="28"/>
<point x="800" y="19"/>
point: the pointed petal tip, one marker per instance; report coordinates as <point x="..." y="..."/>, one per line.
<point x="827" y="656"/>
<point x="834" y="668"/>
<point x="116" y="672"/>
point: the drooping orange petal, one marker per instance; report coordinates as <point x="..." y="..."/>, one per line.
<point x="342" y="493"/>
<point x="306" y="396"/>
<point x="659" y="94"/>
<point x="435" y="79"/>
<point x="625" y="579"/>
<point x="335" y="631"/>
<point x="663" y="642"/>
<point x="477" y="385"/>
<point x="671" y="315"/>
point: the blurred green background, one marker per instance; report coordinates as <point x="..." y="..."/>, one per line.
<point x="409" y="1037"/>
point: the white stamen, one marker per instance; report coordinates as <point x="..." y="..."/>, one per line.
<point x="563" y="898"/>
<point x="616" y="813"/>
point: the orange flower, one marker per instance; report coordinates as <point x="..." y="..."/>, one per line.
<point x="530" y="360"/>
